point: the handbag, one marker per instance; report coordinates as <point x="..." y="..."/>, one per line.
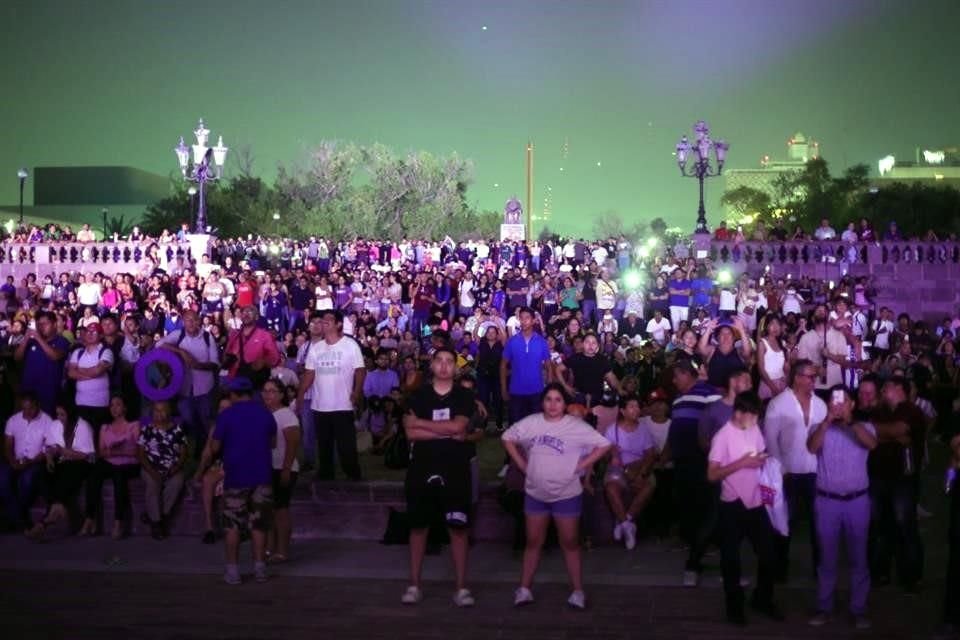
<point x="771" y="494"/>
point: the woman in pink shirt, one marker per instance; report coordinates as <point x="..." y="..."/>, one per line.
<point x="737" y="454"/>
<point x="117" y="452"/>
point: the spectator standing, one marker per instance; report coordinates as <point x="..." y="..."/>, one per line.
<point x="791" y="416"/>
<point x="736" y="455"/>
<point x="842" y="446"/>
<point x="43" y="354"/>
<point x="245" y="435"/>
<point x="437" y="485"/>
<point x="526" y="356"/>
<point x="201" y="359"/>
<point x="285" y="468"/>
<point x="334" y="370"/>
<point x="559" y="450"/>
<point x="251" y="350"/>
<point x="90" y="368"/>
<point x="690" y="462"/>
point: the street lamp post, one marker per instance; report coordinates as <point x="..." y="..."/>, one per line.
<point x="276" y="219"/>
<point x="700" y="167"/>
<point x="200" y="169"/>
<point x="22" y="175"/>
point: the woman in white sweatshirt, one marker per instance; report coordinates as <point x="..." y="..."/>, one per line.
<point x="554" y="450"/>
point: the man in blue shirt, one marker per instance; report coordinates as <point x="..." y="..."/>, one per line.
<point x="246" y="433"/>
<point x="522" y="369"/>
<point x="679" y="297"/>
<point x="43" y="354"/>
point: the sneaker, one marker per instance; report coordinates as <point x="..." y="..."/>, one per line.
<point x="819" y="620"/>
<point x="629" y="535"/>
<point x="522" y="596"/>
<point x="618" y="531"/>
<point x="862" y="623"/>
<point x="232" y="575"/>
<point x="463" y="598"/>
<point x="260" y="571"/>
<point x="503" y="471"/>
<point x="577" y="600"/>
<point x="412" y="595"/>
<point x="691" y="579"/>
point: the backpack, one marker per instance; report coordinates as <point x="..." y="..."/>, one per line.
<point x="397" y="453"/>
<point x="183" y="335"/>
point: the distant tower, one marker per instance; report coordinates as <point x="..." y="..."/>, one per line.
<point x="529" y="191"/>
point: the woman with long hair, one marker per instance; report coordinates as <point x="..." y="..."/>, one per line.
<point x="771" y="358"/>
<point x="70" y="455"/>
<point x="117" y="451"/>
<point x="556" y="452"/>
<point x="285" y="468"/>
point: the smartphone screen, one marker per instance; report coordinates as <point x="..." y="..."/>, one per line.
<point x="837" y="397"/>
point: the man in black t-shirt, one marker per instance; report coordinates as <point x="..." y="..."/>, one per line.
<point x="892" y="466"/>
<point x="438" y="478"/>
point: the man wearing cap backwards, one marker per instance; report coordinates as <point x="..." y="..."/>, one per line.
<point x="90" y="367"/>
<point x="246" y="434"/>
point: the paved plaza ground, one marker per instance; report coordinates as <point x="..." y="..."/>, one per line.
<point x="143" y="589"/>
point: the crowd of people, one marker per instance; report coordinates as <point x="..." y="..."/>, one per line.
<point x="715" y="409"/>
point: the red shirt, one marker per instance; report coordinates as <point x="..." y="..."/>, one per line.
<point x="244" y="295"/>
<point x="722" y="234"/>
<point x="259" y="344"/>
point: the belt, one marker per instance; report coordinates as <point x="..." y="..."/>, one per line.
<point x="844" y="497"/>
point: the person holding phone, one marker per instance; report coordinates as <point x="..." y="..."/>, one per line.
<point x="737" y="454"/>
<point x="842" y="446"/>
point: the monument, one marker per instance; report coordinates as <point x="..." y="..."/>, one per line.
<point x="513" y="227"/>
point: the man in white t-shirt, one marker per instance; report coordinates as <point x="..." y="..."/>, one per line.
<point x="334" y="370"/>
<point x="88" y="293"/>
<point x="90" y="368"/>
<point x="659" y="328"/>
<point x="22" y="468"/>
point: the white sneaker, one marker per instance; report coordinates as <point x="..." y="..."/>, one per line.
<point x="522" y="596"/>
<point x="629" y="535"/>
<point x="413" y="595"/>
<point x="463" y="598"/>
<point x="260" y="572"/>
<point x="618" y="531"/>
<point x="232" y="575"/>
<point x="691" y="578"/>
<point x="577" y="600"/>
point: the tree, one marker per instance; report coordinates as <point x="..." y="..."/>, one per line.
<point x="747" y="201"/>
<point x="658" y="227"/>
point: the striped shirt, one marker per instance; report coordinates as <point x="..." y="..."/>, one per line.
<point x="685" y="419"/>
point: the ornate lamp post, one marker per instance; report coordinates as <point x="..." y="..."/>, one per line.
<point x="22" y="175"/>
<point x="700" y="167"/>
<point x="200" y="169"/>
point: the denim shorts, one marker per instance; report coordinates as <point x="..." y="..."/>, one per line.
<point x="567" y="508"/>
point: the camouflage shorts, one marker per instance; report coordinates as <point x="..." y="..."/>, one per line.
<point x="248" y="508"/>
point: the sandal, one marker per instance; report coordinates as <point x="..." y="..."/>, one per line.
<point x="35" y="532"/>
<point x="88" y="529"/>
<point x="276" y="558"/>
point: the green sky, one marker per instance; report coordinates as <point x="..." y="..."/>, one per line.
<point x="104" y="82"/>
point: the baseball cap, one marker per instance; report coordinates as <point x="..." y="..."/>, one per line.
<point x="94" y="326"/>
<point x="240" y="384"/>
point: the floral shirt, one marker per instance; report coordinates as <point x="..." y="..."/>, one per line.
<point x="162" y="448"/>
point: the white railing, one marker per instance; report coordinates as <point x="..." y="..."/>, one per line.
<point x="115" y="257"/>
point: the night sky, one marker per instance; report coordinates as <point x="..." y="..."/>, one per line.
<point x="116" y="81"/>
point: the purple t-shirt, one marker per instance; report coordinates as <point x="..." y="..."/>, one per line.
<point x="245" y="432"/>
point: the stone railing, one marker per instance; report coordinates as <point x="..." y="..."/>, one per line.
<point x="920" y="278"/>
<point x="810" y="253"/>
<point x="110" y="258"/>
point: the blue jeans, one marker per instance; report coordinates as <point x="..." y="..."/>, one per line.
<point x="196" y="413"/>
<point x="19" y="489"/>
<point x="799" y="490"/>
<point x="521" y="406"/>
<point x="488" y="392"/>
<point x="894" y="531"/>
